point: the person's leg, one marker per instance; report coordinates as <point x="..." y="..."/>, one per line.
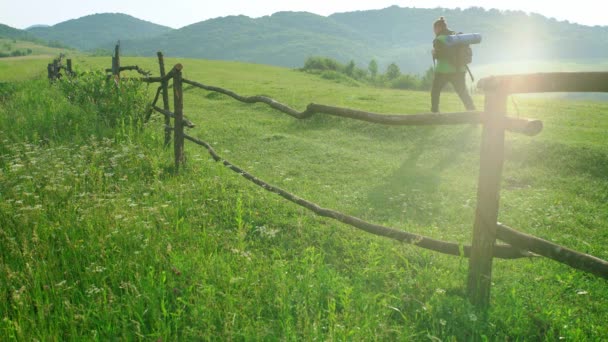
<point x="439" y="81"/>
<point x="460" y="85"/>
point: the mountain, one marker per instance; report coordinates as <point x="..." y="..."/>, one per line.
<point x="285" y="38"/>
<point x="98" y="30"/>
<point x="13" y="33"/>
<point x="393" y="34"/>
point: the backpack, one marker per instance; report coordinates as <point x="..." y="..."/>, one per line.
<point x="462" y="55"/>
<point x="458" y="55"/>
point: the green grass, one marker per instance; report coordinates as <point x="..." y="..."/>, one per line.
<point x="100" y="240"/>
<point x="10" y="45"/>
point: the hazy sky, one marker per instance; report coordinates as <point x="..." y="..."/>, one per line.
<point x="179" y="13"/>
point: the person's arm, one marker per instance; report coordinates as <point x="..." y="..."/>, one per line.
<point x="438" y="49"/>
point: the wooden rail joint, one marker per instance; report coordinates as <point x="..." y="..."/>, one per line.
<point x="547" y="82"/>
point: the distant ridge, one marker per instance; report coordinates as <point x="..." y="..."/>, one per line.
<point x="98" y="30"/>
<point x="13" y="33"/>
<point x="393" y="34"/>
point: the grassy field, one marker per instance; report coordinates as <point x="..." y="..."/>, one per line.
<point x="100" y="240"/>
<point x="9" y="45"/>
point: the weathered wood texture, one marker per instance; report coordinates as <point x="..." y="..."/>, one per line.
<point x="167" y="77"/>
<point x="252" y="99"/>
<point x="164" y="85"/>
<point x="553" y="251"/>
<point x="488" y="196"/>
<point x="525" y="126"/>
<point x="116" y="62"/>
<point x="178" y="122"/>
<point x="500" y="251"/>
<point x="529" y="127"/>
<point x="134" y="68"/>
<point x="547" y="82"/>
<point x="54" y="69"/>
<point x="167" y="113"/>
<point x="51" y="73"/>
<point x="399" y="119"/>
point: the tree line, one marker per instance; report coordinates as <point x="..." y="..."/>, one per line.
<point x="392" y="77"/>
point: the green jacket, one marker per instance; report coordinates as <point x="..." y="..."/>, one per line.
<point x="443" y="64"/>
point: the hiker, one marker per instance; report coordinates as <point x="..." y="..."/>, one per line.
<point x="447" y="69"/>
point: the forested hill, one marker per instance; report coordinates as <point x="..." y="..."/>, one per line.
<point x="13" y="33"/>
<point x="394" y="34"/>
<point x="98" y="30"/>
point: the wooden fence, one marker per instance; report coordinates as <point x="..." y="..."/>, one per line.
<point x="494" y="120"/>
<point x="54" y="69"/>
<point x="116" y="69"/>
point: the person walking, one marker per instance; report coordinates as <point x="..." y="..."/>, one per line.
<point x="448" y="69"/>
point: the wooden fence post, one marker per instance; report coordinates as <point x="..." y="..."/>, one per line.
<point x="69" y="69"/>
<point x="49" y="69"/>
<point x="165" y="90"/>
<point x="56" y="69"/>
<point x="178" y="107"/>
<point x="116" y="62"/>
<point x="488" y="197"/>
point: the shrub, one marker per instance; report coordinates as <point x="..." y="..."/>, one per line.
<point x="114" y="103"/>
<point x="338" y="78"/>
<point x="72" y="109"/>
<point x="33" y="111"/>
<point x="405" y="82"/>
<point x="321" y="63"/>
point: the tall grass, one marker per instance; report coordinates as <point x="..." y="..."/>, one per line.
<point x="99" y="240"/>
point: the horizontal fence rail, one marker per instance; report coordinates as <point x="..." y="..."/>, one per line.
<point x="518" y="125"/>
<point x="500" y="251"/>
<point x="131" y="68"/>
<point x="588" y="82"/>
<point x="572" y="258"/>
<point x="526" y="246"/>
<point x="254" y="99"/>
<point x="186" y="122"/>
<point x="494" y="121"/>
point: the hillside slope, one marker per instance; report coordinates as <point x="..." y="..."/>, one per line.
<point x="13" y="33"/>
<point x="98" y="30"/>
<point x="394" y="34"/>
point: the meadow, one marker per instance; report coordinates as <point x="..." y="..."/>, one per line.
<point x="100" y="240"/>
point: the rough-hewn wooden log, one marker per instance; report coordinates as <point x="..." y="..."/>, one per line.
<point x="56" y="73"/>
<point x="167" y="113"/>
<point x="134" y="68"/>
<point x="252" y="99"/>
<point x="500" y="251"/>
<point x="553" y="251"/>
<point x="547" y="82"/>
<point x="399" y="119"/>
<point x="488" y="196"/>
<point x="529" y="127"/>
<point x="525" y="126"/>
<point x="178" y="122"/>
<point x="153" y="104"/>
<point x="164" y="85"/>
<point x="51" y="75"/>
<point x="116" y="61"/>
<point x="157" y="96"/>
<point x="167" y="77"/>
